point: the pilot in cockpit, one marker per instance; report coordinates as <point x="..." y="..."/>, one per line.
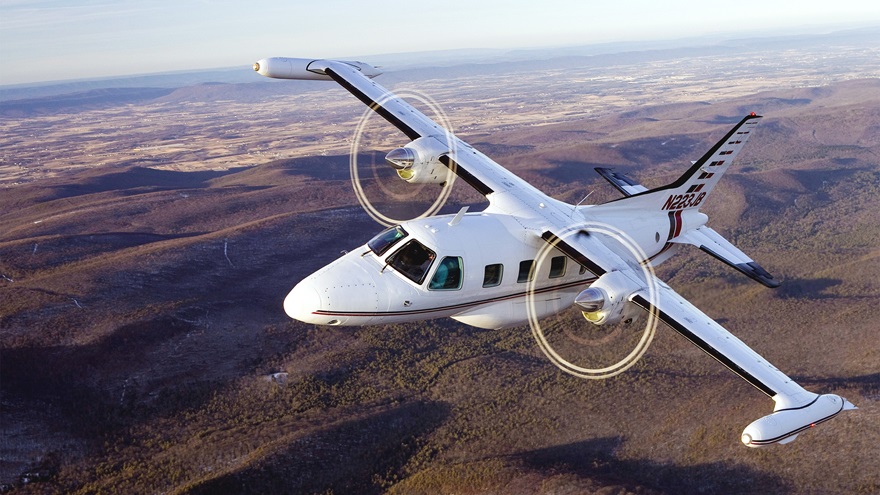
<point x="413" y="261"/>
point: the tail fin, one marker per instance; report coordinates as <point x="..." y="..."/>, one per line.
<point x="681" y="201"/>
<point x="692" y="188"/>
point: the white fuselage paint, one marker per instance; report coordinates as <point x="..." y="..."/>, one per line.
<point x="361" y="289"/>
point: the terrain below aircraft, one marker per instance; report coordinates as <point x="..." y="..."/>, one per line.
<point x="482" y="268"/>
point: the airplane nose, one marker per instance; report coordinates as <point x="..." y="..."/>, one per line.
<point x="345" y="292"/>
<point x="301" y="302"/>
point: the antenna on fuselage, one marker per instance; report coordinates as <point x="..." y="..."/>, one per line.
<point x="574" y="209"/>
<point x="458" y="216"/>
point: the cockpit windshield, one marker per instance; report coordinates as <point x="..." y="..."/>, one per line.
<point x="385" y="239"/>
<point x="413" y="261"/>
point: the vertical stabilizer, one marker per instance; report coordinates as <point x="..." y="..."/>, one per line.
<point x="691" y="189"/>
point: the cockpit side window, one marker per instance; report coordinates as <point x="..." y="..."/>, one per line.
<point x="448" y="274"/>
<point x="385" y="239"/>
<point x="412" y="260"/>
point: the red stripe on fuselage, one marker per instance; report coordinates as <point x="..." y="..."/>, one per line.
<point x="677" y="223"/>
<point x="460" y="306"/>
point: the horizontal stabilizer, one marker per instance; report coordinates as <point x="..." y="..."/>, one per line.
<point x="620" y="181"/>
<point x="713" y="243"/>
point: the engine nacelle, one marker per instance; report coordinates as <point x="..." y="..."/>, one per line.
<point x="606" y="301"/>
<point x="419" y="161"/>
<point x="304" y="68"/>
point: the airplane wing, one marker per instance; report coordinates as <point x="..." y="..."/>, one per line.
<point x="681" y="316"/>
<point x="713" y="243"/>
<point x="694" y="325"/>
<point x="479" y="171"/>
<point x="796" y="409"/>
<point x="398" y="112"/>
<point x="620" y="181"/>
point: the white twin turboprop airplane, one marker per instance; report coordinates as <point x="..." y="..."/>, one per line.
<point x="528" y="256"/>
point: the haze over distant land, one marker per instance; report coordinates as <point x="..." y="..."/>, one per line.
<point x="150" y="227"/>
<point x="434" y="57"/>
<point x="204" y="120"/>
<point x="42" y="41"/>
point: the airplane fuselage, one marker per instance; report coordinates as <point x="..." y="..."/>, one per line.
<point x="496" y="259"/>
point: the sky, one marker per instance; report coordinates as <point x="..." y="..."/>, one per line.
<point x="48" y="40"/>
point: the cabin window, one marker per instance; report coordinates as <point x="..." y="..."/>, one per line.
<point x="448" y="274"/>
<point x="526" y="271"/>
<point x="413" y="261"/>
<point x="557" y="266"/>
<point x="385" y="239"/>
<point x="492" y="275"/>
<point x="583" y="270"/>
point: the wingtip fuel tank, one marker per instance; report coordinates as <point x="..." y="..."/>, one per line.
<point x="305" y="68"/>
<point x="783" y="426"/>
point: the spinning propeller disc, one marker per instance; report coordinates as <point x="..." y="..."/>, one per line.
<point x="647" y="335"/>
<point x="409" y="192"/>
